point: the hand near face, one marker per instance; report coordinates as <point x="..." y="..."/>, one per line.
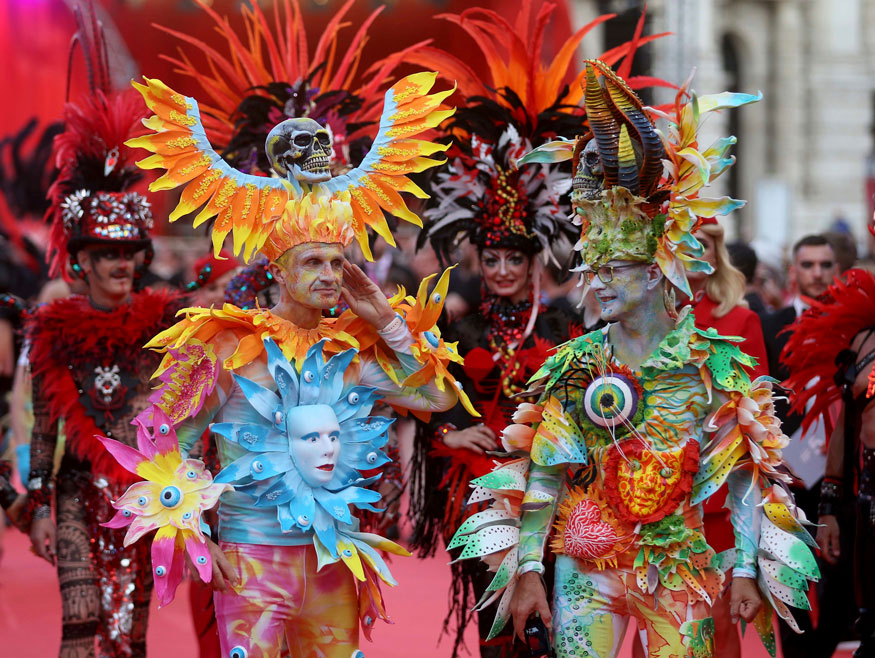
<point x="364" y="297"/>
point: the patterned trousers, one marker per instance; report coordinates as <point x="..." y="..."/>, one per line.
<point x="591" y="610"/>
<point x="281" y="594"/>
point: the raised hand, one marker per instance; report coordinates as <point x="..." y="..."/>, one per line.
<point x="364" y="297"/>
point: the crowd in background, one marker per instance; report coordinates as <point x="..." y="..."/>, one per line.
<point x="768" y="286"/>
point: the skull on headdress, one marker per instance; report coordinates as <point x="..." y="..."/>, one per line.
<point x="300" y="149"/>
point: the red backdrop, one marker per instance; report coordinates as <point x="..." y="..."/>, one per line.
<point x="35" y="38"/>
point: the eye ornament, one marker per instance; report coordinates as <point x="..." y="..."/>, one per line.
<point x="432" y="339"/>
<point x="170" y="497"/>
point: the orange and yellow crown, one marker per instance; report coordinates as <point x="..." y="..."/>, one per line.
<point x="312" y="218"/>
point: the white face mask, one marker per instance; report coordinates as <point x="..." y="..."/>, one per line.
<point x="314" y="442"/>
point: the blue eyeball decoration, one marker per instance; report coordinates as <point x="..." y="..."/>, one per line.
<point x="432" y="339"/>
<point x="268" y="468"/>
<point x="170" y="497"/>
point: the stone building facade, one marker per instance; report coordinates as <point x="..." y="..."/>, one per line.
<point x="804" y="151"/>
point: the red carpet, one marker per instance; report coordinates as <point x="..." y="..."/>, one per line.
<point x="30" y="611"/>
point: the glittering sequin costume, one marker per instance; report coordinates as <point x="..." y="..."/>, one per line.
<point x="610" y="471"/>
<point x="89" y="370"/>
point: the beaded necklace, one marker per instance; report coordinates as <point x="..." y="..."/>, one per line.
<point x="506" y="323"/>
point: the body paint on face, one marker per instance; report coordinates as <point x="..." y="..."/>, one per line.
<point x="624" y="293"/>
<point x="506" y="273"/>
<point x="312" y="274"/>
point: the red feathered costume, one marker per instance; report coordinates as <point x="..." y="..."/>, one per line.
<point x="91" y="374"/>
<point x="831" y="344"/>
<point x="819" y="337"/>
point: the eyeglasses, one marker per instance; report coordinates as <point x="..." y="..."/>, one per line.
<point x="606" y="272"/>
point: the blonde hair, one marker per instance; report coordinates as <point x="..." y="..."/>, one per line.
<point x="726" y="285"/>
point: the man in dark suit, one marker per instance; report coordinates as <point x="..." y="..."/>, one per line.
<point x="813" y="269"/>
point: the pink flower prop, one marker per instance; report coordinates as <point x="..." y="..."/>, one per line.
<point x="175" y="493"/>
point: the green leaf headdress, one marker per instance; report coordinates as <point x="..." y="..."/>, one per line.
<point x="635" y="190"/>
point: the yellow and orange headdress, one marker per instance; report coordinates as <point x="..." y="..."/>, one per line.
<point x="311" y="219"/>
<point x="255" y="208"/>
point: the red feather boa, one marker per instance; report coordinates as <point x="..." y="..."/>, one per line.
<point x="819" y="335"/>
<point x="71" y="332"/>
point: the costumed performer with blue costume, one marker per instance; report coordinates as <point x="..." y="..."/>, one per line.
<point x="288" y="530"/>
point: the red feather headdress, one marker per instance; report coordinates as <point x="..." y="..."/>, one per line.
<point x="515" y="57"/>
<point x="524" y="101"/>
<point x="90" y="199"/>
<point x="274" y="75"/>
<point x="818" y="337"/>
